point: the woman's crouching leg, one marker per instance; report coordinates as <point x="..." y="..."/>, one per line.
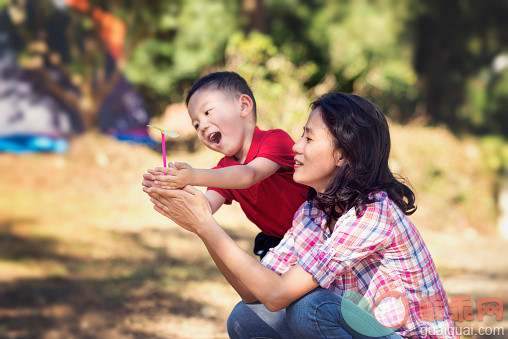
<point x="316" y="315"/>
<point x="255" y="321"/>
<point x="324" y="314"/>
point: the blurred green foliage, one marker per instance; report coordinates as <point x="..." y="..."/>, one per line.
<point x="275" y="80"/>
<point x="495" y="153"/>
<point x="432" y="60"/>
<point x="457" y="43"/>
<point x="189" y="37"/>
<point x="416" y="59"/>
<point x="438" y="62"/>
<point x="367" y="51"/>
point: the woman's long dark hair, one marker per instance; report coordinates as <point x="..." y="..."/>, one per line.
<point x="361" y="133"/>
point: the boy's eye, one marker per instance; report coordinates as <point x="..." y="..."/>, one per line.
<point x="207" y="112"/>
<point x="196" y="126"/>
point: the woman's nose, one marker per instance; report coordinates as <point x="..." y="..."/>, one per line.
<point x="298" y="146"/>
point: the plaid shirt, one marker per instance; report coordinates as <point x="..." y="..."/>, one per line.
<point x="379" y="256"/>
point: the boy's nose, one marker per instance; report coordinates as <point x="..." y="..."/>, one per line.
<point x="203" y="127"/>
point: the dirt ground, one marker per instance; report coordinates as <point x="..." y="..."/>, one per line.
<point x="83" y="254"/>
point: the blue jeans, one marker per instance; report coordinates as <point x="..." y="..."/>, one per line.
<point x="318" y="314"/>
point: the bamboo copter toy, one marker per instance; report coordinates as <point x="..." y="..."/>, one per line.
<point x="163" y="133"/>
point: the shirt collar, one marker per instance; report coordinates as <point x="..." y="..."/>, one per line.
<point x="253" y="149"/>
<point x="319" y="217"/>
<point x="254" y="145"/>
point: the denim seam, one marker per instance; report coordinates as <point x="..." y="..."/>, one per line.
<point x="239" y="328"/>
<point x="241" y="332"/>
<point x="315" y="316"/>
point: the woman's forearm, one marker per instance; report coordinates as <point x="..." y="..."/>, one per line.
<point x="253" y="279"/>
<point x="239" y="287"/>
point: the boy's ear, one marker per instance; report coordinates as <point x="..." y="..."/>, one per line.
<point x="246" y="105"/>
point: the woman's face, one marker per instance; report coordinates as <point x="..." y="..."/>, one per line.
<point x="316" y="158"/>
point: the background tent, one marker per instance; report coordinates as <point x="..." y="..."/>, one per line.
<point x="30" y="109"/>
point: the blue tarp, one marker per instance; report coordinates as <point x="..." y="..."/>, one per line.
<point x="23" y="144"/>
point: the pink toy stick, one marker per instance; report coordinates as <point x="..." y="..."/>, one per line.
<point x="163" y="149"/>
<point x="163" y="133"/>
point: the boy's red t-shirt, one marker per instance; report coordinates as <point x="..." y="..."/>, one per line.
<point x="271" y="203"/>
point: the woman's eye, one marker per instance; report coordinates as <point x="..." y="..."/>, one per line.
<point x="308" y="139"/>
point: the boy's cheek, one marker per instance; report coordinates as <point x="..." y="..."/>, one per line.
<point x="200" y="137"/>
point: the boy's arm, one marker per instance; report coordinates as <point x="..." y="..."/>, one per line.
<point x="215" y="200"/>
<point x="239" y="176"/>
<point x="232" y="177"/>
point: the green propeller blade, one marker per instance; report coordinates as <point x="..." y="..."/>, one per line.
<point x="168" y="133"/>
<point x="171" y="134"/>
<point x="160" y="129"/>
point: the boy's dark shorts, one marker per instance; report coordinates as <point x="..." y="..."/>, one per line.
<point x="263" y="243"/>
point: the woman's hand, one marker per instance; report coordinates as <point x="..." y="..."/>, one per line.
<point x="187" y="207"/>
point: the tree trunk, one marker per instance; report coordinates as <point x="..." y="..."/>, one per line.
<point x="257" y="16"/>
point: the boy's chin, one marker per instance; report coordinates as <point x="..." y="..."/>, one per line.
<point x="222" y="150"/>
<point x="215" y="149"/>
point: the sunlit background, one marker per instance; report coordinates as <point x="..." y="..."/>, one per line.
<point x="83" y="254"/>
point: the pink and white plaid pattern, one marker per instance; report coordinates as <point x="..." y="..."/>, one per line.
<point x="379" y="255"/>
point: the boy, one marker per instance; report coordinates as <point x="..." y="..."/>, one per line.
<point x="257" y="169"/>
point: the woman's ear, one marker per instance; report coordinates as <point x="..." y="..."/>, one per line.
<point x="339" y="158"/>
<point x="246" y="105"/>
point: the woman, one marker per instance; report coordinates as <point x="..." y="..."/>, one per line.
<point x="352" y="260"/>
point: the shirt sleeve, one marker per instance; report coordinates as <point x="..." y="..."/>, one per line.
<point x="353" y="239"/>
<point x="278" y="147"/>
<point x="280" y="258"/>
<point x="222" y="191"/>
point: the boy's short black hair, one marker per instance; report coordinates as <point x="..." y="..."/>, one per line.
<point x="230" y="83"/>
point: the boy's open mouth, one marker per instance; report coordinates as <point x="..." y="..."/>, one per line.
<point x="215" y="137"/>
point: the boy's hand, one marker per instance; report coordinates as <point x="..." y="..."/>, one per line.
<point x="149" y="178"/>
<point x="178" y="175"/>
